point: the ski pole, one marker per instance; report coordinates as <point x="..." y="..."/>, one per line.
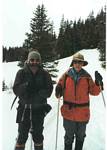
<point x="102" y="95"/>
<point x="31" y="126"/>
<point x="57" y="123"/>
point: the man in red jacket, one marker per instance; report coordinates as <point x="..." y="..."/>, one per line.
<point x="75" y="85"/>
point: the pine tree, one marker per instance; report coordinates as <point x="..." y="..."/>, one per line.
<point x="60" y="41"/>
<point x="4" y="86"/>
<point x="42" y="36"/>
<point x="64" y="43"/>
<point x="101" y="30"/>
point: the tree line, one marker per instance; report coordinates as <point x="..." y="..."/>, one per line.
<point x="73" y="36"/>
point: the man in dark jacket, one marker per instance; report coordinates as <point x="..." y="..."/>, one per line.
<point x="33" y="85"/>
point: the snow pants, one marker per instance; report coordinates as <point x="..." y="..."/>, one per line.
<point x="37" y="124"/>
<point x="74" y="130"/>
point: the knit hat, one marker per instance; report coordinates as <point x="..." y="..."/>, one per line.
<point x="34" y="55"/>
<point x="79" y="57"/>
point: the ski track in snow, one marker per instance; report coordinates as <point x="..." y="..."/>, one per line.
<point x="95" y="139"/>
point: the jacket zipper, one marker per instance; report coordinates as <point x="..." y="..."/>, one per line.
<point x="75" y="83"/>
<point x="75" y="89"/>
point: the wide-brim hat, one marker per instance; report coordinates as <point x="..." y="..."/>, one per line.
<point x="79" y="57"/>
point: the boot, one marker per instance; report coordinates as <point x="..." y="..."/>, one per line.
<point x="19" y="147"/>
<point x="79" y="145"/>
<point x="38" y="146"/>
<point x="68" y="146"/>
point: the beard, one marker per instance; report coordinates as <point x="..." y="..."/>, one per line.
<point x="34" y="65"/>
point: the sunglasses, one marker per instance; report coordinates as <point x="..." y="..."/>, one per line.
<point x="77" y="62"/>
<point x="32" y="60"/>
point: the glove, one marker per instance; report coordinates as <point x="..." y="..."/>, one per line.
<point x="30" y="86"/>
<point x="98" y="79"/>
<point x="58" y="91"/>
<point x="43" y="93"/>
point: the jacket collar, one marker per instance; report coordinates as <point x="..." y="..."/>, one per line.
<point x="82" y="73"/>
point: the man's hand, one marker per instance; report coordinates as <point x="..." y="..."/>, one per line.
<point x="58" y="91"/>
<point x="98" y="79"/>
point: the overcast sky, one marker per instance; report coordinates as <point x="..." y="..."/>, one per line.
<point x="17" y="14"/>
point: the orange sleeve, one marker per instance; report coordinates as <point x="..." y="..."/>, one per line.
<point x="93" y="88"/>
<point x="62" y="80"/>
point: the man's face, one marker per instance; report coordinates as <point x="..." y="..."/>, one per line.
<point x="78" y="65"/>
<point x="34" y="62"/>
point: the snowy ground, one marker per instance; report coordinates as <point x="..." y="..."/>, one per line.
<point x="95" y="139"/>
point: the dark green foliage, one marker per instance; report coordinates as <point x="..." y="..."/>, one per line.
<point x="51" y="68"/>
<point x="41" y="36"/>
<point x="4" y="86"/>
<point x="101" y="28"/>
<point x="14" y="54"/>
<point x="77" y="35"/>
<point x="73" y="36"/>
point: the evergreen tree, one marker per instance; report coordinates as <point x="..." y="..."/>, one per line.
<point x="4" y="86"/>
<point x="73" y="36"/>
<point x="76" y="35"/>
<point x="101" y="30"/>
<point x="68" y="50"/>
<point x="64" y="43"/>
<point x="4" y="53"/>
<point x="91" y="31"/>
<point x="60" y="41"/>
<point x="42" y="36"/>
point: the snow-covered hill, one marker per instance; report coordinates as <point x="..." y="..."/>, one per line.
<point x="95" y="139"/>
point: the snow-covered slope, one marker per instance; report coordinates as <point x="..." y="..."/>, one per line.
<point x="95" y="139"/>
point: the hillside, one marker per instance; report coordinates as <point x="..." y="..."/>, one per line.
<point x="95" y="139"/>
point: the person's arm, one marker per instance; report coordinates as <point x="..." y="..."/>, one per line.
<point x="98" y="79"/>
<point x="94" y="87"/>
<point x="58" y="91"/>
<point x="19" y="87"/>
<point x="60" y="86"/>
<point x="47" y="91"/>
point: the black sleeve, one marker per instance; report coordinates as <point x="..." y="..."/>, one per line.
<point x="19" y="87"/>
<point x="48" y="88"/>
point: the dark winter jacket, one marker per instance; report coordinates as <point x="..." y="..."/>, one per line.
<point x="32" y="89"/>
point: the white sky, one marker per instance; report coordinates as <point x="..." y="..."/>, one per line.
<point x="17" y="14"/>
